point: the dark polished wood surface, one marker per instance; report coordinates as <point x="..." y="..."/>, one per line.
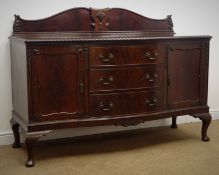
<point x="82" y="19"/>
<point x="127" y="78"/>
<point x="123" y="55"/>
<point x="93" y="67"/>
<point x="126" y="103"/>
<point x="185" y="75"/>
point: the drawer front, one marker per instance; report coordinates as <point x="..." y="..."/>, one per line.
<point x="125" y="55"/>
<point x="126" y="78"/>
<point x="126" y="103"/>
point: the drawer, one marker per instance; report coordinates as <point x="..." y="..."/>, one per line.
<point x="120" y="55"/>
<point x="126" y="78"/>
<point x="126" y="103"/>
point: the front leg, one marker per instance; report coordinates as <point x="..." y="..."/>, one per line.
<point x="30" y="141"/>
<point x="206" y="120"/>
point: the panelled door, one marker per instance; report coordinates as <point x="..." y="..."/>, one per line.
<point x="57" y="80"/>
<point x="186" y="74"/>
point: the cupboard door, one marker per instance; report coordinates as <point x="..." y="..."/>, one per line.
<point x="185" y="75"/>
<point x="57" y="81"/>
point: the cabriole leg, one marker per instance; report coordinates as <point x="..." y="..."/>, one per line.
<point x="15" y="129"/>
<point x="30" y="140"/>
<point x="206" y="120"/>
<point x="174" y="125"/>
<point x="30" y="143"/>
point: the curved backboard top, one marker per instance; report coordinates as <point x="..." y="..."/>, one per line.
<point x="96" y="20"/>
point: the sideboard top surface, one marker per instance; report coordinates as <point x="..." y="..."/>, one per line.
<point x="97" y="36"/>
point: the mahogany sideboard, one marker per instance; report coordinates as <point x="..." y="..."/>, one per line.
<point x="94" y="67"/>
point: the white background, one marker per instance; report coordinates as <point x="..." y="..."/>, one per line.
<point x="190" y="17"/>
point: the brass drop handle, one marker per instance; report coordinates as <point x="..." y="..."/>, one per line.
<point x="151" y="56"/>
<point x="106" y="80"/>
<point x="106" y="106"/>
<point x="151" y="102"/>
<point x="106" y="59"/>
<point x="151" y="77"/>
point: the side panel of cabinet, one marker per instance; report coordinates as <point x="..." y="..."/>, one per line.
<point x="186" y="75"/>
<point x="57" y="82"/>
<point x="19" y="80"/>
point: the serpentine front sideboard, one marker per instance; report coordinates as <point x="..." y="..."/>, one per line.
<point x="94" y="67"/>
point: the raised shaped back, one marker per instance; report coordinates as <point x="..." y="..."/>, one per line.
<point x="95" y="20"/>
